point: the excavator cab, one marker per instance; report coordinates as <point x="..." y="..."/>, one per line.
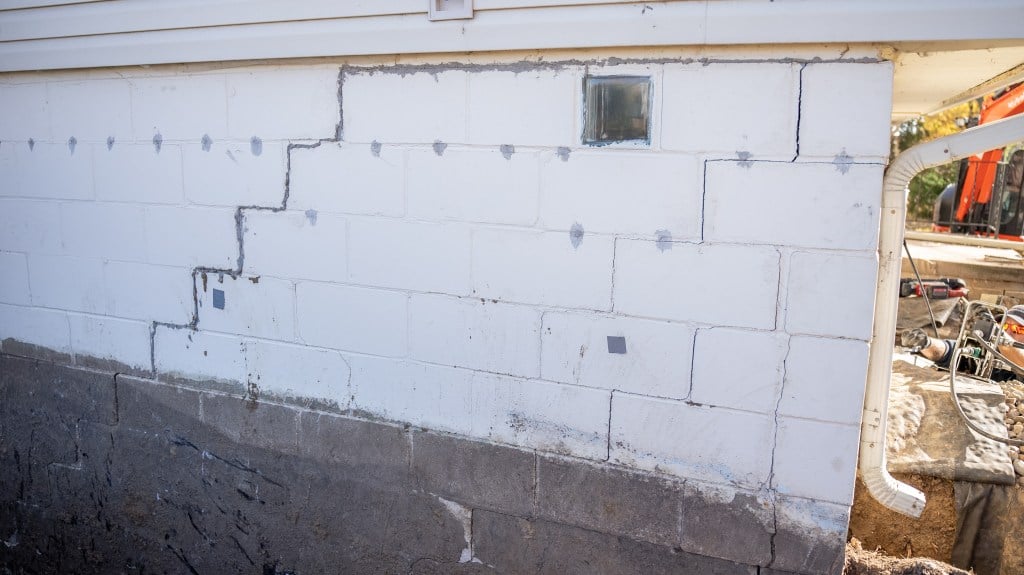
<point x="1000" y="215"/>
<point x="987" y="197"/>
<point x="1011" y="211"/>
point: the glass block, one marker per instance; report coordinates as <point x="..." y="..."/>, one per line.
<point x="617" y="109"/>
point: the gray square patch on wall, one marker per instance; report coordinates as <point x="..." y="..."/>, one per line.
<point x="616" y="344"/>
<point x="218" y="298"/>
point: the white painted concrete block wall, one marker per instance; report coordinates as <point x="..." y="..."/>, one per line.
<point x="458" y="260"/>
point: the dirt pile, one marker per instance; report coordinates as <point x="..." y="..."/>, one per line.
<point x="860" y="561"/>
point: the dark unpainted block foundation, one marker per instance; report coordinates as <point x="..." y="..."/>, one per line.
<point x="102" y="472"/>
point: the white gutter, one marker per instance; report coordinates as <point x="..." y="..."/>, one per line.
<point x="898" y="496"/>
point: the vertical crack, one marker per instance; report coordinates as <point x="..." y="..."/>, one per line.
<point x="693" y="362"/>
<point x="772" y="494"/>
<point x="780" y="304"/>
<point x="240" y="236"/>
<point x="117" y="399"/>
<point x="536" y="483"/>
<point x="339" y="131"/>
<point x="615" y="254"/>
<point x="608" y="455"/>
<point x="703" y="199"/>
<point x="152" y="346"/>
<point x="799" y="107"/>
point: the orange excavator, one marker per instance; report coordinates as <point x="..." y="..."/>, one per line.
<point x="987" y="195"/>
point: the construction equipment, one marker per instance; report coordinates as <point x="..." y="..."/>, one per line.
<point x="986" y="200"/>
<point x="941" y="288"/>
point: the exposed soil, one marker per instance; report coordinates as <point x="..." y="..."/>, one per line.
<point x="932" y="536"/>
<point x="860" y="561"/>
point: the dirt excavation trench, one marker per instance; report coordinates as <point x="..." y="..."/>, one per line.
<point x="973" y="518"/>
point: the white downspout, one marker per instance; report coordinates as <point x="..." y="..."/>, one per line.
<point x="898" y="496"/>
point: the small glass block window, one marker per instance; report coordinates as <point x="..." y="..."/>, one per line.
<point x="617" y="109"/>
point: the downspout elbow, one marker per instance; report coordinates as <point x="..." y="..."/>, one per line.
<point x="891" y="493"/>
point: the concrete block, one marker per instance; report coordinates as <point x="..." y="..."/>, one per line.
<point x="609" y="500"/>
<point x="136" y="173"/>
<point x="551" y="417"/>
<point x="54" y="171"/>
<point x="473" y="185"/>
<point x="476" y="474"/>
<point x="408" y="255"/>
<point x="527" y="108"/>
<point x="705" y="443"/>
<point x="401" y="107"/>
<point x="109" y="339"/>
<point x="179" y="107"/>
<point x="67" y="283"/>
<point x="813" y="307"/>
<point x="91" y="111"/>
<point x="825" y="379"/>
<point x="112" y="231"/>
<point x="258" y="307"/>
<point x="191" y="236"/>
<point x="716" y="284"/>
<point x="475" y="334"/>
<point x="845" y="205"/>
<point x="434" y="397"/>
<point x="33" y="422"/>
<point x="34" y="326"/>
<point x="517" y="545"/>
<point x="147" y="405"/>
<point x="816" y="460"/>
<point x="365" y="450"/>
<point x="60" y="395"/>
<point x="148" y="292"/>
<point x="283" y="103"/>
<point x="738" y="369"/>
<point x="28" y="226"/>
<point x="312" y="377"/>
<point x="296" y="245"/>
<point x="14" y="279"/>
<point x="348" y="179"/>
<point x="811" y="536"/>
<point x="715" y="517"/>
<point x="183" y="353"/>
<point x="33" y="117"/>
<point x="230" y="174"/>
<point x="245" y="421"/>
<point x="830" y="92"/>
<point x="656" y="361"/>
<point x="352" y="319"/>
<point x="709" y="108"/>
<point x="621" y="192"/>
<point x="543" y="268"/>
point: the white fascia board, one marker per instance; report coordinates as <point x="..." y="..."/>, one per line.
<point x="509" y="25"/>
<point x="863" y="21"/>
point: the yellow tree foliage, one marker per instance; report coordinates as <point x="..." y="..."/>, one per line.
<point x="945" y="123"/>
<point x="927" y="185"/>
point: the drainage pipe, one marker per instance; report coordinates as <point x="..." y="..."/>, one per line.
<point x="883" y="487"/>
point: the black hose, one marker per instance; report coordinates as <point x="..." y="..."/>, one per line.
<point x="953" y="363"/>
<point x="924" y="292"/>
